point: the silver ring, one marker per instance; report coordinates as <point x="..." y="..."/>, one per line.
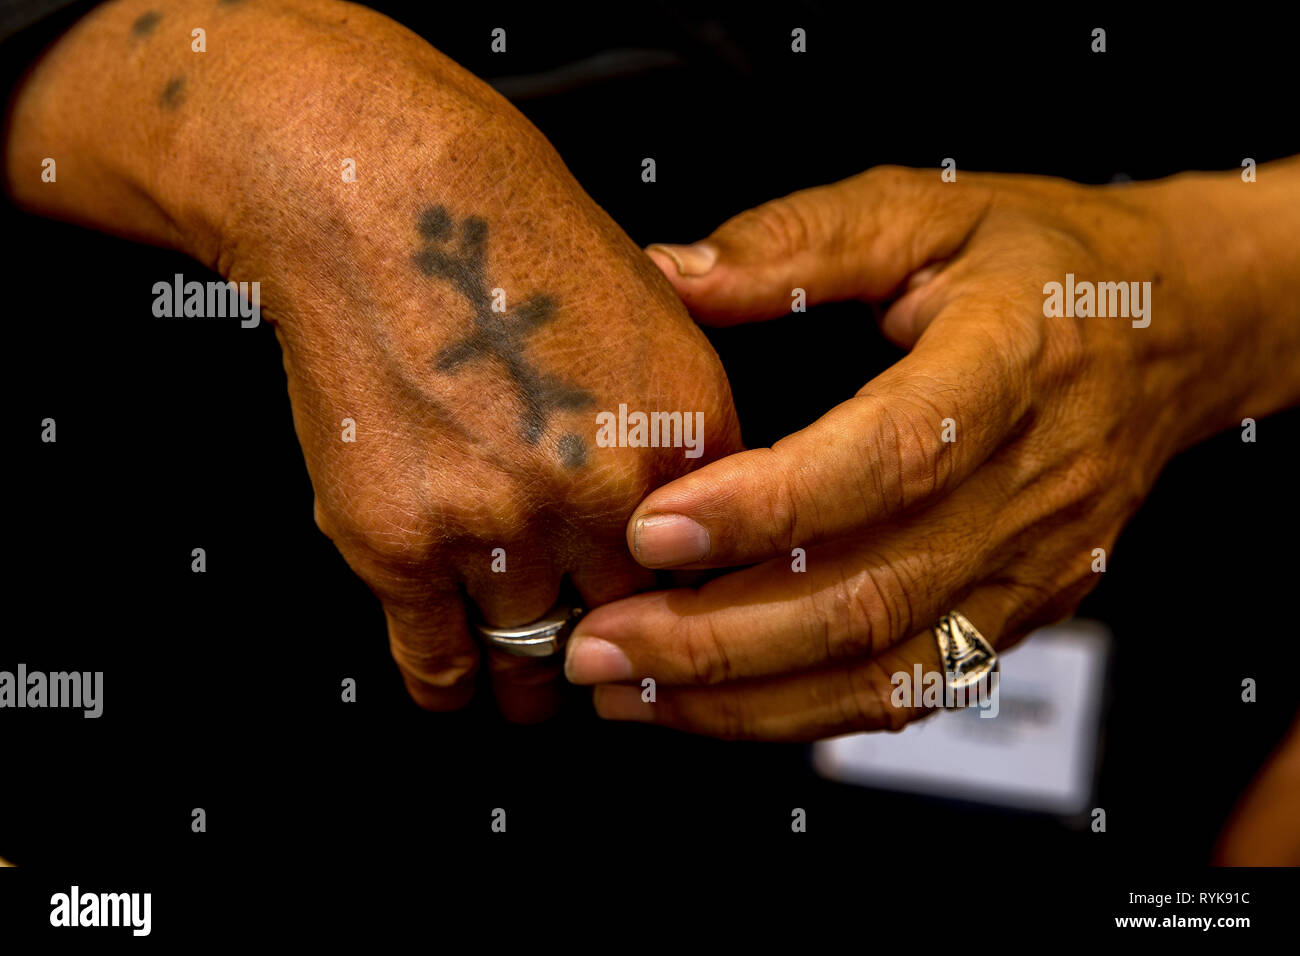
<point x="967" y="657"/>
<point x="544" y="637"/>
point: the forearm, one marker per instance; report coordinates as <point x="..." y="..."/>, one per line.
<point x="193" y="149"/>
<point x="237" y="156"/>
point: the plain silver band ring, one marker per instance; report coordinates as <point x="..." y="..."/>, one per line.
<point x="544" y="637"/>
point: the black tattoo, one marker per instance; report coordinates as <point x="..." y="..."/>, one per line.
<point x="573" y="451"/>
<point x="496" y="335"/>
<point x="173" y="93"/>
<point x="145" y="23"/>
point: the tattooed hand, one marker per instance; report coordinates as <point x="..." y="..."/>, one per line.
<point x="453" y="317"/>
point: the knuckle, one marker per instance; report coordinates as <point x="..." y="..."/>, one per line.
<point x="782" y="224"/>
<point x="804" y="498"/>
<point x="492" y="513"/>
<point x="784" y="512"/>
<point x="438" y="701"/>
<point x="405" y="525"/>
<point x="907" y="465"/>
<point x="920" y="438"/>
<point x="888" y="175"/>
<point x="860" y="707"/>
<point x="729" y="719"/>
<point x="438" y="669"/>
<point x="705" y="656"/>
<point x="1090" y="475"/>
<point x="871" y="698"/>
<point x="373" y="525"/>
<point x="389" y="543"/>
<point x="878" y="609"/>
<point x="1027" y="604"/>
<point x="1064" y="355"/>
<point x="846" y="620"/>
<point x="1031" y="604"/>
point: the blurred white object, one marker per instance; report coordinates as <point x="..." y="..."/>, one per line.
<point x="1038" y="753"/>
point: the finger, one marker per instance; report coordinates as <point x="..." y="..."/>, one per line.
<point x="852" y="600"/>
<point x="911" y="435"/>
<point x="527" y="689"/>
<point x="907" y="317"/>
<point x="801" y="708"/>
<point x="432" y="647"/>
<point x="867" y="694"/>
<point x="521" y="588"/>
<point x="609" y="574"/>
<point x="858" y="238"/>
<point x="930" y="291"/>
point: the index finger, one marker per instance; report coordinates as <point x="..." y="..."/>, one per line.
<point x="910" y="436"/>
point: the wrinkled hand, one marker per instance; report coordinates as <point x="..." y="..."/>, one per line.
<point x="989" y="469"/>
<point x="454" y="313"/>
<point x="476" y="476"/>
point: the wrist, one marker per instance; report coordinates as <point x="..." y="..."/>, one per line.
<point x="1229" y="262"/>
<point x="172" y="146"/>
<point x="326" y="111"/>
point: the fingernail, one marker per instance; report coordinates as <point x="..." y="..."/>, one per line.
<point x="591" y="660"/>
<point x="692" y="260"/>
<point x="617" y="702"/>
<point x="667" y="540"/>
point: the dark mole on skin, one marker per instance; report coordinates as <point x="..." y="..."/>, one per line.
<point x="495" y="335"/>
<point x="145" y="23"/>
<point x="172" y="93"/>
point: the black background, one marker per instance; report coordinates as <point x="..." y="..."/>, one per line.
<point x="222" y="689"/>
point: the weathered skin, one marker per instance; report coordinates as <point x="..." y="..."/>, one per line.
<point x="1059" y="427"/>
<point x="235" y="156"/>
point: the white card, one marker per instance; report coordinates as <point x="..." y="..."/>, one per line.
<point x="1037" y="753"/>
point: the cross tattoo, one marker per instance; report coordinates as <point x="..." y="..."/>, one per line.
<point x="495" y="335"/>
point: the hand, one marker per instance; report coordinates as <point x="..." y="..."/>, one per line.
<point x="452" y="320"/>
<point x="988" y="470"/>
<point x="476" y="447"/>
<point x="1264" y="830"/>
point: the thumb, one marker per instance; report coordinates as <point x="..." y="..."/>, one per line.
<point x="859" y="238"/>
<point x="864" y="464"/>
